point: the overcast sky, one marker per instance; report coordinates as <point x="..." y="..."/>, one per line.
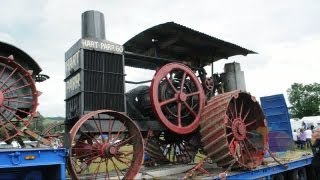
<point x="285" y="33"/>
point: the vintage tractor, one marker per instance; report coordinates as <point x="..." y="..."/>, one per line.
<point x="167" y="121"/>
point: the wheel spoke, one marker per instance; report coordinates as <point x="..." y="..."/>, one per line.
<point x="1" y="74"/>
<point x="5" y="81"/>
<point x="18" y="96"/>
<point x="12" y="90"/>
<point x="86" y="134"/>
<point x="123" y="142"/>
<point x="120" y="131"/>
<point x="23" y="102"/>
<point x="168" y="101"/>
<point x="190" y="109"/>
<point x="9" y="109"/>
<point x="116" y="168"/>
<point x="245" y="117"/>
<point x="123" y="154"/>
<point x="248" y="132"/>
<point x="8" y="121"/>
<point x="99" y="128"/>
<point x="229" y="134"/>
<point x="250" y="123"/>
<point x="97" y="169"/>
<point x="235" y="107"/>
<point x="193" y="93"/>
<point x="127" y="163"/>
<point x="85" y="155"/>
<point x="170" y="83"/>
<point x="241" y="109"/>
<point x="107" y="172"/>
<point x="182" y="81"/>
<point x="9" y="86"/>
<point x="229" y="120"/>
<point x="231" y="142"/>
<point x="230" y="110"/>
<point x="110" y="130"/>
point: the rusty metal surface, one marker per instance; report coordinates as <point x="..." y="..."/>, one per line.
<point x="233" y="128"/>
<point x="54" y="133"/>
<point x="177" y="98"/>
<point x="21" y="57"/>
<point x="177" y="42"/>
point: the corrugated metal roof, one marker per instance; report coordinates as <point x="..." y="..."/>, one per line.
<point x="174" y="41"/>
<point x="20" y="56"/>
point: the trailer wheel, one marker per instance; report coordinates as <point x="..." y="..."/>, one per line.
<point x="105" y="144"/>
<point x="298" y="174"/>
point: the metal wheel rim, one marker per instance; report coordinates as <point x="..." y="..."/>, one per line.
<point x="11" y="116"/>
<point x="102" y="148"/>
<point x="180" y="98"/>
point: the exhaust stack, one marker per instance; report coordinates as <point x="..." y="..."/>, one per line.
<point x="93" y="25"/>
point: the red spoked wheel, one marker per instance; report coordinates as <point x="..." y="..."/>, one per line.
<point x="105" y="144"/>
<point x="18" y="98"/>
<point x="54" y="133"/>
<point x="234" y="131"/>
<point x="177" y="97"/>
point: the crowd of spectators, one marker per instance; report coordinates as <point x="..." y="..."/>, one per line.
<point x="302" y="137"/>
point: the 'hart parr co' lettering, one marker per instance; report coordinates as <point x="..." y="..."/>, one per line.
<point x="102" y="45"/>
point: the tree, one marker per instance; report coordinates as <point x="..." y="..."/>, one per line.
<point x="305" y="100"/>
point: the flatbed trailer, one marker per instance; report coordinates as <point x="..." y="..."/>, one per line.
<point x="33" y="164"/>
<point x="296" y="168"/>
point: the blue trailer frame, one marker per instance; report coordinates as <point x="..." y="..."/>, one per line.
<point x="35" y="164"/>
<point x="267" y="172"/>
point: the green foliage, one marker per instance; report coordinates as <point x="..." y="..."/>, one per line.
<point x="305" y="100"/>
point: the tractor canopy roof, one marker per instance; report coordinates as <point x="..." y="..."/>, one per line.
<point x="170" y="41"/>
<point x="20" y="56"/>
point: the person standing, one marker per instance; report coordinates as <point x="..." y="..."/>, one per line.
<point x="295" y="137"/>
<point x="315" y="163"/>
<point x="308" y="137"/>
<point x="302" y="138"/>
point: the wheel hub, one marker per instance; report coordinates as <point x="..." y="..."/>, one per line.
<point x="182" y="97"/>
<point x="239" y="129"/>
<point x="108" y="149"/>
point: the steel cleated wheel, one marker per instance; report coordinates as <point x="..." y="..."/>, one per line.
<point x="234" y="131"/>
<point x="18" y="98"/>
<point x="105" y="144"/>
